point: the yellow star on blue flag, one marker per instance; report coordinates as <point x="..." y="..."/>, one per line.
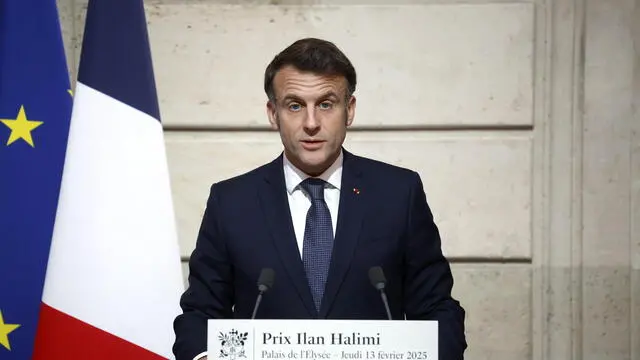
<point x="35" y="111"/>
<point x="21" y="127"/>
<point x="5" y="330"/>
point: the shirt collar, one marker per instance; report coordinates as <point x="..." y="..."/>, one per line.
<point x="294" y="176"/>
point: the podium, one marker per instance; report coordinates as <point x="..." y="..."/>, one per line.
<point x="237" y="339"/>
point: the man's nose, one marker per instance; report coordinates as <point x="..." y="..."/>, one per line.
<point x="311" y="121"/>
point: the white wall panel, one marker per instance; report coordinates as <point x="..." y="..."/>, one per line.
<point x="497" y="299"/>
<point x="477" y="185"/>
<point x="418" y="65"/>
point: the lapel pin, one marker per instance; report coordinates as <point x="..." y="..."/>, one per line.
<point x="356" y="191"/>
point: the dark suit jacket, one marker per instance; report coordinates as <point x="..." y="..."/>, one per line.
<point x="384" y="222"/>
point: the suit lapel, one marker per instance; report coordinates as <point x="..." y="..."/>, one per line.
<point x="275" y="206"/>
<point x="350" y="214"/>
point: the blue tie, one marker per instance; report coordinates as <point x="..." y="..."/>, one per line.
<point x="318" y="239"/>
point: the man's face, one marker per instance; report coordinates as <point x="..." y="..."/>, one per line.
<point x="312" y="113"/>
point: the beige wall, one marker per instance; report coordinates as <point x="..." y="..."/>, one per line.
<point x="521" y="116"/>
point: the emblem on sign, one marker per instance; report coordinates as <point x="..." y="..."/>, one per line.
<point x="232" y="345"/>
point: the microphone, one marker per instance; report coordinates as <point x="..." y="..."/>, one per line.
<point x="265" y="282"/>
<point x="376" y="276"/>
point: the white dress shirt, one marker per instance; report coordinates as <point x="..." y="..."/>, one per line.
<point x="299" y="201"/>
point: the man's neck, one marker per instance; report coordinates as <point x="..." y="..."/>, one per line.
<point x="294" y="175"/>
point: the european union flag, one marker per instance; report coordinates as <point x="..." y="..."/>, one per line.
<point x="35" y="111"/>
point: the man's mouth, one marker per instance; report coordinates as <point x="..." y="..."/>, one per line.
<point x="311" y="144"/>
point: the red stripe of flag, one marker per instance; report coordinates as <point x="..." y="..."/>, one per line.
<point x="61" y="336"/>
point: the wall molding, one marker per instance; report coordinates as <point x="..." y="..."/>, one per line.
<point x="558" y="126"/>
<point x="635" y="190"/>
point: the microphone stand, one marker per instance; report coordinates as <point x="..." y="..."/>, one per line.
<point x="386" y="303"/>
<point x="262" y="289"/>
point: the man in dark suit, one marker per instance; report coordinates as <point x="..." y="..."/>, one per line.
<point x="321" y="217"/>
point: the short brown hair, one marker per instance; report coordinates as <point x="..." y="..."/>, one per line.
<point x="314" y="55"/>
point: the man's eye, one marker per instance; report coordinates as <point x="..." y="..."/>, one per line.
<point x="294" y="107"/>
<point x="326" y="105"/>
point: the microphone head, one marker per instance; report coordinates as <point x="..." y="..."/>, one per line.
<point x="376" y="276"/>
<point x="266" y="279"/>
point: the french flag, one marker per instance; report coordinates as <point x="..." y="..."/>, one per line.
<point x="113" y="279"/>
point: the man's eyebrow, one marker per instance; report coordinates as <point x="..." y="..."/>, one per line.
<point x="329" y="94"/>
<point x="290" y="97"/>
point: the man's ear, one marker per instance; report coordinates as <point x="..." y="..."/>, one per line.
<point x="351" y="110"/>
<point x="273" y="116"/>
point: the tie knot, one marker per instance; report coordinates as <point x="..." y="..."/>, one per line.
<point x="314" y="187"/>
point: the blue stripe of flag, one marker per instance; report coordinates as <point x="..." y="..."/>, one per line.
<point x="116" y="57"/>
<point x="34" y="78"/>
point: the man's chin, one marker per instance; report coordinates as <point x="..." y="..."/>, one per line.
<point x="315" y="166"/>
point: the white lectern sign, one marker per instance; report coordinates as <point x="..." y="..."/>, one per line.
<point x="322" y="340"/>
